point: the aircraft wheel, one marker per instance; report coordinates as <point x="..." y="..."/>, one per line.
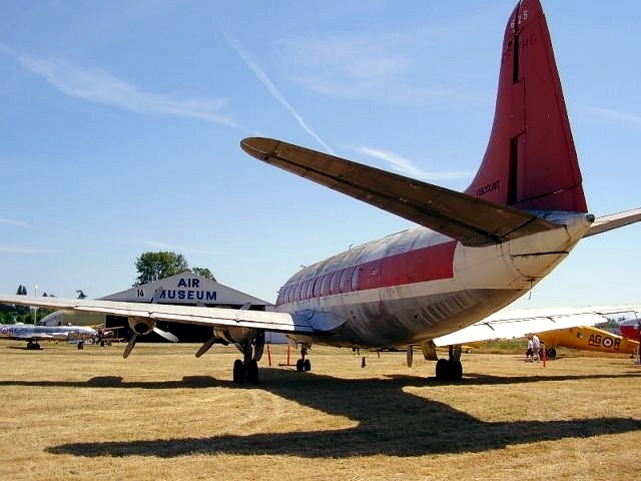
<point x="307" y="366"/>
<point x="239" y="372"/>
<point x="441" y="369"/>
<point x="252" y="372"/>
<point x="552" y="353"/>
<point x="81" y="345"/>
<point x="448" y="370"/>
<point x="456" y="371"/>
<point x="36" y="345"/>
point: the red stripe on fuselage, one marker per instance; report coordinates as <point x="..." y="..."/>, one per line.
<point x="419" y="265"/>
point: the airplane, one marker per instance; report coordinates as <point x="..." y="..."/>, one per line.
<point x="61" y="318"/>
<point x="567" y="327"/>
<point x="587" y="338"/>
<point x="631" y="329"/>
<point x="472" y="254"/>
<point x="32" y="334"/>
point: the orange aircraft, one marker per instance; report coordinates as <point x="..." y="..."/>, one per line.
<point x="587" y="338"/>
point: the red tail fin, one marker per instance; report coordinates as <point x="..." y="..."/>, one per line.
<point x="530" y="162"/>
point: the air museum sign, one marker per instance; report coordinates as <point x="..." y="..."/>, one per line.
<point x="187" y="288"/>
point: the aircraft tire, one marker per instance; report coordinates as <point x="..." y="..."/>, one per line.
<point x="552" y="353"/>
<point x="299" y="365"/>
<point x="455" y="371"/>
<point x="307" y="366"/>
<point x="81" y="345"/>
<point x="239" y="372"/>
<point x="448" y="370"/>
<point x="252" y="371"/>
<point x="441" y="369"/>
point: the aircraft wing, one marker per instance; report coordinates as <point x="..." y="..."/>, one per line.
<point x="614" y="221"/>
<point x="470" y="220"/>
<point x="207" y="316"/>
<point x="515" y="324"/>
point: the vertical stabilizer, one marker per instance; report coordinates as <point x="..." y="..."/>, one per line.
<point x="530" y="162"/>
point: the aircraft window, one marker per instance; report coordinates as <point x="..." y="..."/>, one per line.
<point x="346" y="279"/>
<point x="297" y="291"/>
<point x="316" y="287"/>
<point x="303" y="290"/>
<point x="334" y="283"/>
<point x="354" y="281"/>
<point x="288" y="294"/>
<point x="309" y="292"/>
<point x="325" y="285"/>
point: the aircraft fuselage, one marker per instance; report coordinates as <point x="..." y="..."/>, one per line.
<point x="416" y="285"/>
<point x="26" y="332"/>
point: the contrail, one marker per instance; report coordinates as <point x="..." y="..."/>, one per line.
<point x="406" y="167"/>
<point x="96" y="85"/>
<point x="262" y="76"/>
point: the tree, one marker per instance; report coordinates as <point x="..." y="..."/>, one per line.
<point x="152" y="266"/>
<point x="22" y="290"/>
<point x="203" y="272"/>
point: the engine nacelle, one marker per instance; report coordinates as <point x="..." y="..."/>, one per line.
<point x="236" y="335"/>
<point x="141" y="325"/>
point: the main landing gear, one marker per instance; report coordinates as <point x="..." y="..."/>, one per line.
<point x="303" y="365"/>
<point x="33" y="345"/>
<point x="450" y="369"/>
<point x="247" y="369"/>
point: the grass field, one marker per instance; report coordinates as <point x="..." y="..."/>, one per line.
<point x="163" y="414"/>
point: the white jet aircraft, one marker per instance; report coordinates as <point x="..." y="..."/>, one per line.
<point x="473" y="253"/>
<point x="32" y="334"/>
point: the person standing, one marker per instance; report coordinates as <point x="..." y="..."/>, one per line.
<point x="529" y="354"/>
<point x="536" y="345"/>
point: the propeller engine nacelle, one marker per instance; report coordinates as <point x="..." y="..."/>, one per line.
<point x="248" y="341"/>
<point x="235" y="335"/>
<point x="141" y="326"/>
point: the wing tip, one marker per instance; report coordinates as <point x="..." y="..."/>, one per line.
<point x="259" y="147"/>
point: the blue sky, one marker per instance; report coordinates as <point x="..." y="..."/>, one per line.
<point x="120" y="125"/>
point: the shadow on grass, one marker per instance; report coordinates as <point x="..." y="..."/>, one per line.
<point x="270" y="378"/>
<point x="390" y="422"/>
<point x="472" y="378"/>
<point x="188" y="382"/>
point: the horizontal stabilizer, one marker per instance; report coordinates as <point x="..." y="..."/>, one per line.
<point x="614" y="221"/>
<point x="467" y="219"/>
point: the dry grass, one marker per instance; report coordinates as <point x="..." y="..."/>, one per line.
<point x="162" y="414"/>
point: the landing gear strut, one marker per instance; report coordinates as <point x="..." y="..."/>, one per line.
<point x="450" y="369"/>
<point x="303" y="365"/>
